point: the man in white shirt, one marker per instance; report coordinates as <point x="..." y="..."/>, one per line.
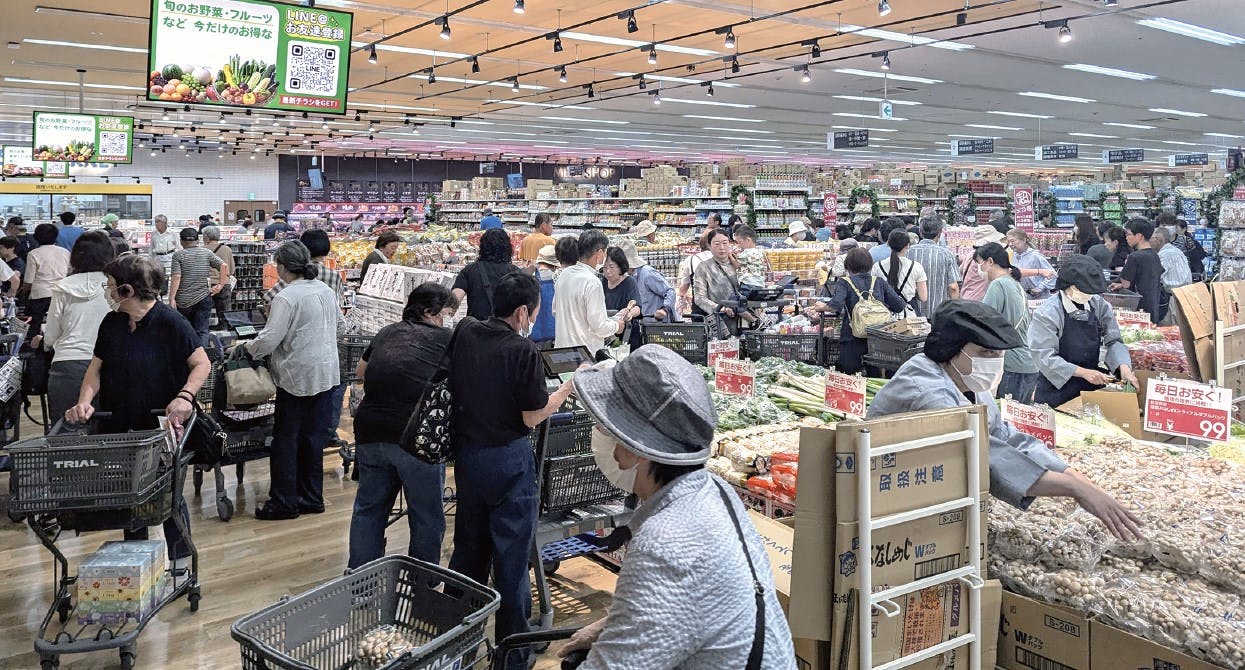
<point x="164" y="243"/>
<point x="579" y="299"/>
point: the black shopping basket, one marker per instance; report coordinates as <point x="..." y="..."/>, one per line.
<point x="569" y="476"/>
<point x="689" y="340"/>
<point x="799" y="347"/>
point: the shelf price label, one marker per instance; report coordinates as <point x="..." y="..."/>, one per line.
<point x="1188" y="409"/>
<point x="1129" y="317"/>
<point x="1023" y="210"/>
<point x="845" y="393"/>
<point x="719" y="349"/>
<point x="734" y="377"/>
<point x="1036" y="422"/>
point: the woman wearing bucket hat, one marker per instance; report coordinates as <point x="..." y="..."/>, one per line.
<point x="962" y="365"/>
<point x="687" y="595"/>
<point x="1069" y="331"/>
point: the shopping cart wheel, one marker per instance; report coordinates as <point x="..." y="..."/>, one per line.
<point x="127" y="658"/>
<point x="224" y="508"/>
<point x="193" y="598"/>
<point x="550" y="567"/>
<point x="49" y="663"/>
<point x="198" y="477"/>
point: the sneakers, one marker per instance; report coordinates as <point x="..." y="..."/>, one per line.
<point x="270" y="513"/>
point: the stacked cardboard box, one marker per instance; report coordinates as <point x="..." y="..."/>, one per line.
<point x="395" y="282"/>
<point x="121" y="581"/>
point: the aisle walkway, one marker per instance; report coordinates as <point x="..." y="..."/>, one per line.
<point x="246" y="565"/>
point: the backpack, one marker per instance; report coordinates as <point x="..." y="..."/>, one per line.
<point x="869" y="312"/>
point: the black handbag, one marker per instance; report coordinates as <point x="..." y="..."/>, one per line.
<point x="427" y="435"/>
<point x="36" y="364"/>
<point x="206" y="439"/>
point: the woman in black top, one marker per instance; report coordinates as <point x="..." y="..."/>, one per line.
<point x="476" y="281"/>
<point x="843" y="299"/>
<point x="620" y="290"/>
<point x="1085" y="235"/>
<point x="147" y="357"/>
<point x="402" y="358"/>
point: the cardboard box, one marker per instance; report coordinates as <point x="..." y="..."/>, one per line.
<point x="827" y="497"/>
<point x="1034" y="634"/>
<point x="1114" y="649"/>
<point x="1124" y="410"/>
<point x="1195" y="313"/>
<point x="777" y="536"/>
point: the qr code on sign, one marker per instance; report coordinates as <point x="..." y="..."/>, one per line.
<point x="312" y="69"/>
<point x="113" y="144"/>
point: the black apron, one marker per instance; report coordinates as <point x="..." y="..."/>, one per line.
<point x="1080" y="345"/>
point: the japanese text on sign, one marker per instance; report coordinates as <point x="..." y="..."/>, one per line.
<point x="1023" y="208"/>
<point x="1036" y="422"/>
<point x="1188" y="409"/>
<point x="845" y="393"/>
<point x="728" y="348"/>
<point x="734" y="377"/>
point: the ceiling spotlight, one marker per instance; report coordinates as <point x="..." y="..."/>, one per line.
<point x="514" y="84"/>
<point x="656" y="97"/>
<point x="475" y="64"/>
<point x="591" y="92"/>
<point x="357" y="117"/>
<point x="884" y="7"/>
<point x="643" y="83"/>
<point x="324" y="126"/>
<point x="275" y="122"/>
<point x="1111" y="3"/>
<point x="562" y="74"/>
<point x="186" y="108"/>
<point x="518" y="7"/>
<point x="1065" y="33"/>
<point x="709" y="92"/>
<point x="734" y="65"/>
<point x="557" y="43"/>
<point x="805" y="75"/>
<point x="371" y="54"/>
<point x="886" y="60"/>
<point x="652" y="55"/>
<point x="445" y="27"/>
<point x="415" y="130"/>
<point x="432" y="76"/>
<point x="816" y="49"/>
<point x="165" y="116"/>
<point x="730" y="38"/>
<point x="632" y="26"/>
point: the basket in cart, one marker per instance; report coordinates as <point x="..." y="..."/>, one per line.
<point x="830" y="343"/>
<point x="440" y="612"/>
<point x="569" y="474"/>
<point x="1124" y="299"/>
<point x="350" y="350"/>
<point x="890" y="350"/>
<point x="800" y="347"/>
<point x="689" y="340"/>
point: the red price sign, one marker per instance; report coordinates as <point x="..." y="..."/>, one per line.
<point x="734" y="377"/>
<point x="1128" y="317"/>
<point x="845" y="393"/>
<point x="1188" y="409"/>
<point x="1023" y="209"/>
<point x="1037" y="422"/>
<point x="728" y="348"/>
<point x="1238" y="193"/>
<point x="829" y="206"/>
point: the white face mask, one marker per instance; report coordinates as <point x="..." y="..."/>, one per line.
<point x="526" y="331"/>
<point x="984" y="373"/>
<point x="1077" y="296"/>
<point x="603" y="453"/>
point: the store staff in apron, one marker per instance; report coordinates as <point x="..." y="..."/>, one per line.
<point x="961" y="365"/>
<point x="1069" y="331"/>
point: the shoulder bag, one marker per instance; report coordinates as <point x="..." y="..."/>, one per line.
<point x="206" y="439"/>
<point x="247" y="379"/>
<point x="427" y="435"/>
<point x="757" y="653"/>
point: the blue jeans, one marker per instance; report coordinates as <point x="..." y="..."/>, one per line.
<point x="495" y="527"/>
<point x="339" y="395"/>
<point x="1020" y="385"/>
<point x="297" y="460"/>
<point x="199" y="315"/>
<point x="383" y="467"/>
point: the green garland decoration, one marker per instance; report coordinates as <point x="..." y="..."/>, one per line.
<point x="1161" y="196"/>
<point x="972" y="204"/>
<point x="431" y="210"/>
<point x="740" y="190"/>
<point x="1212" y="202"/>
<point x="864" y="192"/>
<point x="1052" y="203"/>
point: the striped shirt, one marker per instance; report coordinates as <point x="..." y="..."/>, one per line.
<point x="941" y="270"/>
<point x="1175" y="268"/>
<point x="331" y="277"/>
<point x="195" y="267"/>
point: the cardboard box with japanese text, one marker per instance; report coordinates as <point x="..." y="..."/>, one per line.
<point x="1114" y="649"/>
<point x="1034" y="634"/>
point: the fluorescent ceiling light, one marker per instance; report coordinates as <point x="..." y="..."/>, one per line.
<point x="507" y="84"/>
<point x="384" y="107"/>
<point x="611" y="131"/>
<point x="545" y="105"/>
<point x="768" y="152"/>
<point x="872" y="130"/>
<point x="1177" y="112"/>
<point x="1109" y="71"/>
<point x="905" y="38"/>
<point x="1138" y="126"/>
<point x="1190" y="30"/>
<point x="1229" y="91"/>
<point x="1223" y="135"/>
<point x="49" y="82"/>
<point x="412" y="50"/>
<point x="979" y="137"/>
<point x="1052" y="96"/>
<point x="1183" y="144"/>
<point x="722" y="118"/>
<point x="990" y="127"/>
<point x="1101" y="137"/>
<point x="880" y="75"/>
<point x="569" y="118"/>
<point x="1022" y="115"/>
<point x="81" y="45"/>
<point x="865" y="98"/>
<point x="866" y="116"/>
<point x="741" y="130"/>
<point x="618" y="41"/>
<point x="713" y="103"/>
<point x="678" y="80"/>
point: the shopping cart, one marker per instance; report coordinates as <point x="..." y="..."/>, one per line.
<point x="350" y="350"/>
<point x="83" y="482"/>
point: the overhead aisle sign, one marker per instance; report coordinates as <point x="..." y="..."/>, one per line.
<point x="972" y="147"/>
<point x="849" y="139"/>
<point x="1187" y="160"/>
<point x="1056" y="152"/>
<point x="82" y="138"/>
<point x="249" y="53"/>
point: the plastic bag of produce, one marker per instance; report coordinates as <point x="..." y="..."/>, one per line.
<point x="1223" y="560"/>
<point x="784" y="476"/>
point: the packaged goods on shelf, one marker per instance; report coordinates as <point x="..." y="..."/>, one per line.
<point x="960" y="240"/>
<point x="395" y="282"/>
<point x="120" y="581"/>
<point x="370" y="314"/>
<point x="785" y="260"/>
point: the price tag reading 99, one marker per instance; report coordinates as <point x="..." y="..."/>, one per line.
<point x="1188" y="409"/>
<point x="845" y="393"/>
<point x="734" y="377"/>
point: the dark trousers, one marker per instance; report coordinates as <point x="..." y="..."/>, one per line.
<point x="172" y="534"/>
<point x="220" y="302"/>
<point x="297" y="459"/>
<point x="199" y="314"/>
<point x="64" y="384"/>
<point x="495" y="526"/>
<point x="384" y="467"/>
<point x="37" y="310"/>
<point x="1019" y="385"/>
<point x="335" y="412"/>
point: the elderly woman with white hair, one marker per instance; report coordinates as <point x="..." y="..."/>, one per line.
<point x="220" y="300"/>
<point x="696" y="579"/>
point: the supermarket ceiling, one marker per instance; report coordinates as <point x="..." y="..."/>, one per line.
<point x="1162" y="75"/>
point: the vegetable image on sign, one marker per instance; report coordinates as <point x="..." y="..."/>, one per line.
<point x="249" y="53"/>
<point x="1037" y="422"/>
<point x="1188" y="409"/>
<point x="734" y="377"/>
<point x="845" y="393"/>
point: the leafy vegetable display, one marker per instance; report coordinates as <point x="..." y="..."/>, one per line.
<point x="736" y="412"/>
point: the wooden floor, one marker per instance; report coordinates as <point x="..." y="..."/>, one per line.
<point x="245" y="565"/>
